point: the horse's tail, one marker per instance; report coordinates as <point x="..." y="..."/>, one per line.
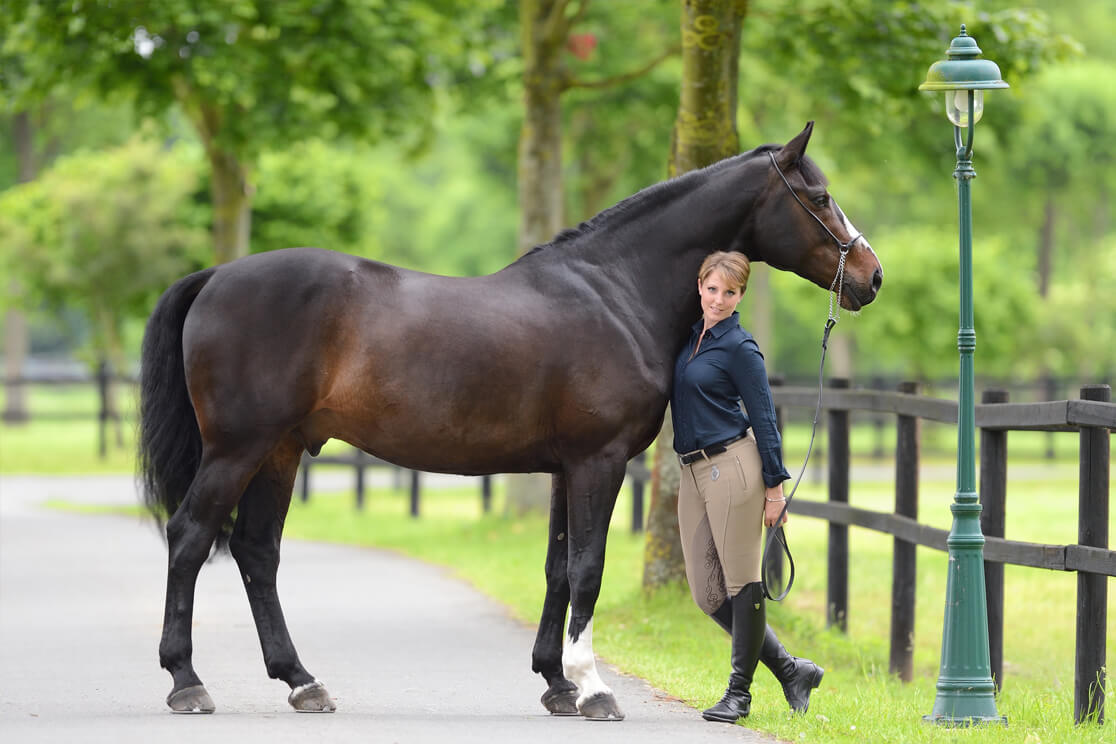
<point x="169" y="440"/>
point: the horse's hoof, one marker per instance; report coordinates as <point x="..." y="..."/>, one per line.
<point x="191" y="700"/>
<point x="311" y="698"/>
<point x="600" y="707"/>
<point x="560" y="700"/>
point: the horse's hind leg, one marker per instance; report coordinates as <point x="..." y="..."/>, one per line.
<point x="255" y="546"/>
<point x="218" y="484"/>
<point x="560" y="697"/>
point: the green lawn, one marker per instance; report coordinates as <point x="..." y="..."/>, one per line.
<point x="666" y="640"/>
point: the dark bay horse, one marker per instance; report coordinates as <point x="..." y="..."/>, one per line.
<point x="560" y="363"/>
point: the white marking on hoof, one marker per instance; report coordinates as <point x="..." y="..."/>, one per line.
<point x="311" y="697"/>
<point x="580" y="666"/>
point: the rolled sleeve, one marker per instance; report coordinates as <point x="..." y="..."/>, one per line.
<point x="749" y="374"/>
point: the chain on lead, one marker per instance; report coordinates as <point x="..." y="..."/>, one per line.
<point x="835" y="291"/>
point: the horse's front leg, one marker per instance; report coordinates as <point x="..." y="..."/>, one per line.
<point x="591" y="494"/>
<point x="560" y="697"/>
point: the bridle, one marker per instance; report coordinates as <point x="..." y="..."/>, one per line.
<point x="843" y="246"/>
<point x="776" y="534"/>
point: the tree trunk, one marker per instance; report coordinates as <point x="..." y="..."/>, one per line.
<point x="111" y="354"/>
<point x="232" y="206"/>
<point x="704" y="132"/>
<point x="1046" y="246"/>
<point x="17" y="341"/>
<point x="543" y="30"/>
<point x="230" y="188"/>
<point x="540" y="139"/>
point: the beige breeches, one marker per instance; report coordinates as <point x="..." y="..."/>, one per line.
<point x="720" y="519"/>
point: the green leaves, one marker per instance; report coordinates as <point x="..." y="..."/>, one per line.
<point x="105" y="232"/>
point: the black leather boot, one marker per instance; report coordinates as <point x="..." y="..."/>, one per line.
<point x="748" y="625"/>
<point x="798" y="676"/>
<point x="723" y="616"/>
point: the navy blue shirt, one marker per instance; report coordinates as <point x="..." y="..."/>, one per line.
<point x="708" y="389"/>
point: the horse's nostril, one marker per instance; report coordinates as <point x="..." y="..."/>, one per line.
<point x="877" y="280"/>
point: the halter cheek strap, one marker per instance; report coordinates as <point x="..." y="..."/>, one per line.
<point x="844" y="246"/>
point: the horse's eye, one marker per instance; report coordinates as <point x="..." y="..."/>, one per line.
<point x="821" y="202"/>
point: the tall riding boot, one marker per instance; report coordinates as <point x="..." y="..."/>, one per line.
<point x="798" y="676"/>
<point x="748" y="624"/>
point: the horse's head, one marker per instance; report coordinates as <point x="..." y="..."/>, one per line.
<point x="799" y="227"/>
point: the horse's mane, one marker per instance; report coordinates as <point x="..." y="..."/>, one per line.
<point x="650" y="198"/>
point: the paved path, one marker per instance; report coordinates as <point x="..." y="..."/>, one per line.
<point x="410" y="654"/>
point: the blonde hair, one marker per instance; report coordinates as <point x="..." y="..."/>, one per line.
<point x="734" y="266"/>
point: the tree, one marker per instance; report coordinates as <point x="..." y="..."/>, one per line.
<point x="545" y="39"/>
<point x="251" y="74"/>
<point x="704" y="132"/>
<point x="104" y="233"/>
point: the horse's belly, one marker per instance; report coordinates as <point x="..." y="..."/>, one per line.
<point x="436" y="435"/>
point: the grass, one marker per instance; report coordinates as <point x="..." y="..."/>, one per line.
<point x="663" y="638"/>
<point x="51" y="445"/>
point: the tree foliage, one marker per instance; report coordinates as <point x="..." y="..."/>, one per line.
<point x="249" y="74"/>
<point x="105" y="233"/>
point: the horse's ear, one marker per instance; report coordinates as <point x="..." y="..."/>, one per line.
<point x="793" y="151"/>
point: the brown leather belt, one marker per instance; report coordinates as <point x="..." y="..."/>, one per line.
<point x="706" y="452"/>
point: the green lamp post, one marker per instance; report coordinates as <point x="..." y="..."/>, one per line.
<point x="966" y="692"/>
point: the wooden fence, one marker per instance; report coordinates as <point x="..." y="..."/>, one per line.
<point x="101" y="381"/>
<point x="638" y="474"/>
<point x="1093" y="416"/>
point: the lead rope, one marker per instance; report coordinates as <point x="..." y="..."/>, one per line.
<point x="776" y="534"/>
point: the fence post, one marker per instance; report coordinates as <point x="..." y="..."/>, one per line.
<point x="103" y="414"/>
<point x="486" y="493"/>
<point x="903" y="560"/>
<point x="306" y="460"/>
<point x="358" y="466"/>
<point x="1050" y="392"/>
<point x="637" y="496"/>
<point x="878" y="421"/>
<point x="415" y="493"/>
<point x="1092" y="589"/>
<point x="993" y="502"/>
<point x="837" y="597"/>
<point x="774" y="568"/>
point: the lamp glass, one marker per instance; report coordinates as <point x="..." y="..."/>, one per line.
<point x="957" y="106"/>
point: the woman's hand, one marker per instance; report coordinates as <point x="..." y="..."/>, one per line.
<point x="773" y="504"/>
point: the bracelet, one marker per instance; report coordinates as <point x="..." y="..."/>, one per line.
<point x="775" y="501"/>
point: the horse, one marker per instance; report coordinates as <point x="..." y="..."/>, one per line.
<point x="559" y="363"/>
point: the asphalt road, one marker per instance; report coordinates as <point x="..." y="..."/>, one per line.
<point x="409" y="653"/>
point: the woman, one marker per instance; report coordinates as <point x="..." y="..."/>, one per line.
<point x="731" y="485"/>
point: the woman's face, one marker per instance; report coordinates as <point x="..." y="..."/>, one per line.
<point x="719" y="297"/>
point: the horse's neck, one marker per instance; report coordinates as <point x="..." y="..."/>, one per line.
<point x="655" y="257"/>
<point x="647" y="260"/>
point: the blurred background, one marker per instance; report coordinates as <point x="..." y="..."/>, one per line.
<point x="144" y="140"/>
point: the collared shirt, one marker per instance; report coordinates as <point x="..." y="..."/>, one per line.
<point x="708" y="389"/>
